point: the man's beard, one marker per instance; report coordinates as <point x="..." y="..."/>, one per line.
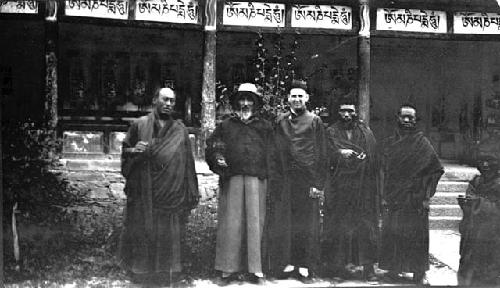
<point x="245" y="113"/>
<point x="347" y="123"/>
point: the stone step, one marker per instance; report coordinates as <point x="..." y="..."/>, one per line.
<point x="114" y="165"/>
<point x="455" y="172"/>
<point x="441" y="198"/>
<point x="444" y="222"/>
<point x="452" y="186"/>
<point x="445" y="210"/>
<point x="91" y="164"/>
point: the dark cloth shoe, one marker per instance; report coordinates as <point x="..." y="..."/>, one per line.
<point x="287" y="275"/>
<point x="420" y="279"/>
<point x="306" y="280"/>
<point x="231" y="279"/>
<point x="254" y="279"/>
<point x="369" y="273"/>
<point x="393" y="277"/>
<point x="182" y="280"/>
<point x="341" y="274"/>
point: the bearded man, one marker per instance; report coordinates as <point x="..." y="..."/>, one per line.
<point x="161" y="188"/>
<point x="411" y="171"/>
<point x="351" y="216"/>
<point x="300" y="172"/>
<point x="239" y="151"/>
<point x="480" y="227"/>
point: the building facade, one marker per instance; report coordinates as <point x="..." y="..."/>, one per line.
<point x="89" y="67"/>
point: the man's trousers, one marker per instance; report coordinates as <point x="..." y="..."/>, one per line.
<point x="241" y="214"/>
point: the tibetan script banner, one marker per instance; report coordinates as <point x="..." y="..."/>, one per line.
<point x="174" y="11"/>
<point x="411" y="20"/>
<point x="322" y="16"/>
<point x="115" y="9"/>
<point x="476" y="23"/>
<point x="254" y="14"/>
<point x="20" y="7"/>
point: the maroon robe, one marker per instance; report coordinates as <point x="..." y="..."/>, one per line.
<point x="351" y="198"/>
<point x="411" y="171"/>
<point x="161" y="190"/>
<point x="480" y="234"/>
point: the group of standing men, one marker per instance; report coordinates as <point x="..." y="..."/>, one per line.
<point x="271" y="177"/>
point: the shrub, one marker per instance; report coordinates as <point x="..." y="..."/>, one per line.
<point x="30" y="151"/>
<point x="201" y="229"/>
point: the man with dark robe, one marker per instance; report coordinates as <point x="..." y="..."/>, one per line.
<point x="480" y="227"/>
<point x="351" y="214"/>
<point x="239" y="151"/>
<point x="411" y="171"/>
<point x="161" y="188"/>
<point x="300" y="173"/>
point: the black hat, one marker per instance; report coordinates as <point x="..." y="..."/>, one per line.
<point x="297" y="83"/>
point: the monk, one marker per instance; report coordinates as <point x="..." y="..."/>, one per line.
<point x="480" y="227"/>
<point x="351" y="214"/>
<point x="411" y="171"/>
<point x="161" y="188"/>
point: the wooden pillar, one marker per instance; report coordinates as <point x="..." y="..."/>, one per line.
<point x="1" y="196"/>
<point x="364" y="61"/>
<point x="209" y="77"/>
<point x="51" y="35"/>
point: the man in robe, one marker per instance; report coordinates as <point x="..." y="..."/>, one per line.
<point x="480" y="227"/>
<point x="161" y="188"/>
<point x="299" y="175"/>
<point x="351" y="214"/>
<point x="411" y="171"/>
<point x="239" y="151"/>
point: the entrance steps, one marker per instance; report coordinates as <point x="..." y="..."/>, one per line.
<point x="445" y="213"/>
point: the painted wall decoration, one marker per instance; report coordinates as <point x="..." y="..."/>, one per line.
<point x="476" y="23"/>
<point x="114" y="9"/>
<point x="173" y="11"/>
<point x="411" y="20"/>
<point x="20" y="7"/>
<point x="254" y="14"/>
<point x="322" y="16"/>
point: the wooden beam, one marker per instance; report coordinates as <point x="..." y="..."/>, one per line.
<point x="289" y="30"/>
<point x="435" y="36"/>
<point x="208" y="97"/>
<point x="51" y="44"/>
<point x="364" y="61"/>
<point x="1" y="196"/>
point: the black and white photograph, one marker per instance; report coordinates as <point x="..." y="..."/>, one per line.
<point x="217" y="143"/>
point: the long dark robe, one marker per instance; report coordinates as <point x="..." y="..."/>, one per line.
<point x="480" y="235"/>
<point x="351" y="198"/>
<point x="161" y="188"/>
<point x="411" y="173"/>
<point x="293" y="218"/>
